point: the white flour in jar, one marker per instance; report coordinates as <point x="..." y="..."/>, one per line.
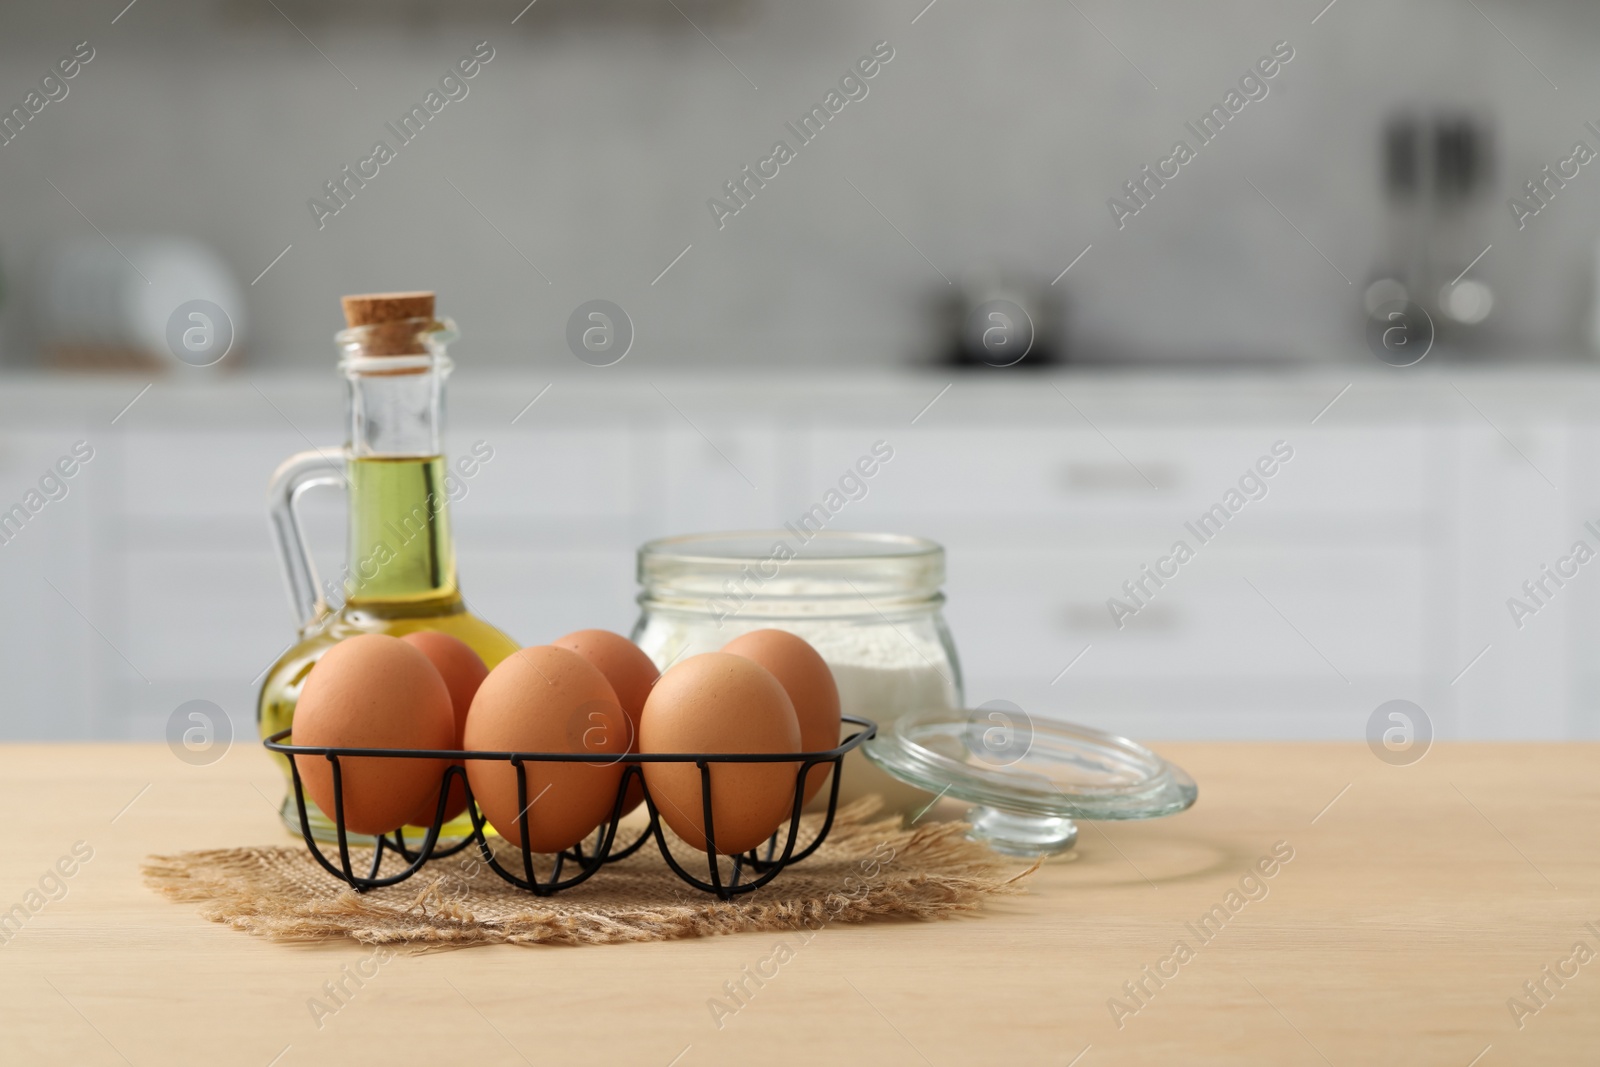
<point x="882" y="671"/>
<point x="881" y="674"/>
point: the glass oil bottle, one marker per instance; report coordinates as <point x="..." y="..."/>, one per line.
<point x="400" y="568"/>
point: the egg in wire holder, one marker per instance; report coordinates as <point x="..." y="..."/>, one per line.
<point x="749" y="871"/>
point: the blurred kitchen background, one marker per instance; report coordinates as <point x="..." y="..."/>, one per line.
<point x="1250" y="299"/>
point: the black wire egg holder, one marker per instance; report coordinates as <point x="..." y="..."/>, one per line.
<point x="765" y="863"/>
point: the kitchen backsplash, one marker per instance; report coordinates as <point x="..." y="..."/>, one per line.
<point x="632" y="154"/>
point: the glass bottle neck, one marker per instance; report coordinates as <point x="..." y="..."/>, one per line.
<point x="400" y="555"/>
<point x="395" y="410"/>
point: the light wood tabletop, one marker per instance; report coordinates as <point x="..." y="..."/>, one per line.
<point x="1406" y="913"/>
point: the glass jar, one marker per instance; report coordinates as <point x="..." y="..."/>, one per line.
<point x="868" y="603"/>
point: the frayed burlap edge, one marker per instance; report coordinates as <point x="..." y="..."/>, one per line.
<point x="279" y="892"/>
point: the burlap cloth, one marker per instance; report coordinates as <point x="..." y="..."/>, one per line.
<point x="869" y="868"/>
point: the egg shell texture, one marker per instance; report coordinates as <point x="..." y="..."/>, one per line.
<point x="721" y="703"/>
<point x="463" y="672"/>
<point x="805" y="676"/>
<point x="373" y="691"/>
<point x="544" y="699"/>
<point x="631" y="674"/>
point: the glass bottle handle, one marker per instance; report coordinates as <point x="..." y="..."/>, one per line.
<point x="302" y="471"/>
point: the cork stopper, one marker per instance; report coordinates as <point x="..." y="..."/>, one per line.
<point x="389" y="316"/>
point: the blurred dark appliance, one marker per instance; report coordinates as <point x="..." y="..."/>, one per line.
<point x="1438" y="176"/>
<point x="992" y="322"/>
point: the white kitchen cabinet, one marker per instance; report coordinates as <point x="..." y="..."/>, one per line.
<point x="202" y="614"/>
<point x="1358" y="612"/>
<point x="547" y="473"/>
<point x="204" y="473"/>
<point x="1512" y="518"/>
<point x="1583" y="609"/>
<point x="51" y="656"/>
<point x="1389" y="543"/>
<point x="536" y="596"/>
<point x="717" y="475"/>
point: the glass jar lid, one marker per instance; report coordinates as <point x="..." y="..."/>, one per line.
<point x="1030" y="778"/>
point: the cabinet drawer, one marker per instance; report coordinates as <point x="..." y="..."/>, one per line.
<point x="546" y="473"/>
<point x="1026" y="615"/>
<point x="202" y="615"/>
<point x="48" y="646"/>
<point x="535" y="597"/>
<point x="1168" y="473"/>
<point x="202" y="473"/>
<point x="727" y="480"/>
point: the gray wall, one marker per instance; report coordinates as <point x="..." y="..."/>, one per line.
<point x="993" y="139"/>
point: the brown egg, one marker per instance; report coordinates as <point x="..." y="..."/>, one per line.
<point x="374" y="691"/>
<point x="631" y="674"/>
<point x="809" y="683"/>
<point x="463" y="671"/>
<point x="716" y="702"/>
<point x="545" y="699"/>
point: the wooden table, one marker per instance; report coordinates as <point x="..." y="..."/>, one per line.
<point x="1417" y="903"/>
